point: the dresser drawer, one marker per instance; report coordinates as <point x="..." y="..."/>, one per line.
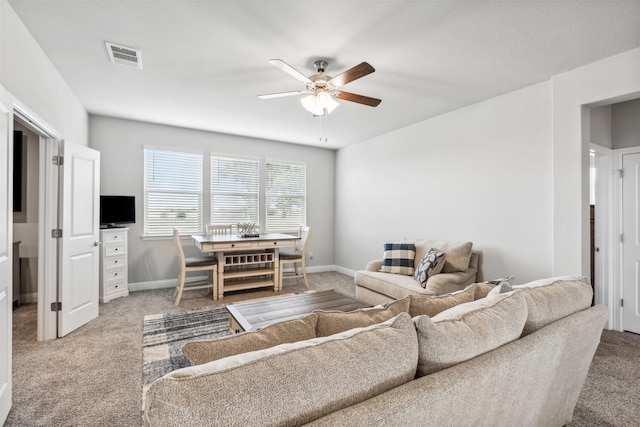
<point x="115" y="274"/>
<point x="114" y="236"/>
<point x="115" y="286"/>
<point x="115" y="261"/>
<point x="115" y="248"/>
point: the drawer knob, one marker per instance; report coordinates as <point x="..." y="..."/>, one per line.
<point x="233" y="245"/>
<point x="275" y="243"/>
<point x="116" y="274"/>
<point x="115" y="262"/>
<point x="116" y="249"/>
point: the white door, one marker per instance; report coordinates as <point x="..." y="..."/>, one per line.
<point x="6" y="300"/>
<point x="631" y="242"/>
<point x="79" y="197"/>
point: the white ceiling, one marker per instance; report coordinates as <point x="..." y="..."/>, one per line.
<point x="204" y="62"/>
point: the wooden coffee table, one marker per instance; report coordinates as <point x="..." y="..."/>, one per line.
<point x="255" y="314"/>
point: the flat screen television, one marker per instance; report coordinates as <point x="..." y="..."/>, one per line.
<point x="117" y="210"/>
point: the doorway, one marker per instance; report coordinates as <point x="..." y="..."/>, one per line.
<point x="26" y="164"/>
<point x="37" y="257"/>
<point x="613" y="162"/>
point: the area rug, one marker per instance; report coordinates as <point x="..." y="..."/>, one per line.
<point x="164" y="334"/>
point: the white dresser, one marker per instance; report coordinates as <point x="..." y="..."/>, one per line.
<point x="113" y="264"/>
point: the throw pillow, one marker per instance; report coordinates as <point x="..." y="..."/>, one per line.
<point x="333" y="322"/>
<point x="287" y="331"/>
<point x="398" y="258"/>
<point x="458" y="253"/>
<point x="432" y="305"/>
<point x="552" y="299"/>
<point x="469" y="330"/>
<point x="429" y="265"/>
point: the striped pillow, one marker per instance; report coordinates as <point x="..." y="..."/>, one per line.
<point x="398" y="258"/>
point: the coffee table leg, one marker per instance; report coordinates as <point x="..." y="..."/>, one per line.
<point x="220" y="257"/>
<point x="276" y="271"/>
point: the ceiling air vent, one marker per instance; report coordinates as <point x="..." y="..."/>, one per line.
<point x="124" y="55"/>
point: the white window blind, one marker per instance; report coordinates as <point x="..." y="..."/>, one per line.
<point x="234" y="190"/>
<point x="286" y="189"/>
<point x="172" y="192"/>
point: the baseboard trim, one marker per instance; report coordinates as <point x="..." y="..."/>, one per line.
<point x="170" y="283"/>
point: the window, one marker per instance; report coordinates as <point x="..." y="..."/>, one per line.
<point x="234" y="190"/>
<point x="172" y="192"/>
<point x="285" y="196"/>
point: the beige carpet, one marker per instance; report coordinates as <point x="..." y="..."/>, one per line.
<point x="93" y="376"/>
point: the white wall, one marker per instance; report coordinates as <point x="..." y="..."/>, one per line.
<point x="458" y="176"/>
<point x="28" y="78"/>
<point x="610" y="80"/>
<point x="482" y="173"/>
<point x="121" y="143"/>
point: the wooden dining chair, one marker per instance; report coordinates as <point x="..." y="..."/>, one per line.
<point x="296" y="257"/>
<point x="201" y="263"/>
<point x="219" y="230"/>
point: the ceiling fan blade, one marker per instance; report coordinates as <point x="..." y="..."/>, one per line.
<point x="290" y="70"/>
<point x="360" y="99"/>
<point x="281" y="94"/>
<point x="352" y="74"/>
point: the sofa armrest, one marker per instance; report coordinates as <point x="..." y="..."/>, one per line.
<point x="374" y="265"/>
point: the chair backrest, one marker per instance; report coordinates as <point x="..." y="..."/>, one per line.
<point x="305" y="235"/>
<point x="176" y="238"/>
<point x="219" y="230"/>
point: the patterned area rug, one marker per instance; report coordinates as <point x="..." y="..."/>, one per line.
<point x="164" y="334"/>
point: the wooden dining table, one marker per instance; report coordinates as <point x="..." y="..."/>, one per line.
<point x="246" y="262"/>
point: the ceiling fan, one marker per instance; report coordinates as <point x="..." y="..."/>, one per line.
<point x="321" y="89"/>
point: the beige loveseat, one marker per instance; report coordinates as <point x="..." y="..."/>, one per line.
<point x="516" y="357"/>
<point x="460" y="268"/>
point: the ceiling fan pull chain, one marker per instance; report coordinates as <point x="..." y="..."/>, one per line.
<point x="323" y="126"/>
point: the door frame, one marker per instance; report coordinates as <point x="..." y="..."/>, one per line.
<point x="47" y="219"/>
<point x="604" y="228"/>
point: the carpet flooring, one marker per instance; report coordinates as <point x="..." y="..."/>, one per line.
<point x="93" y="376"/>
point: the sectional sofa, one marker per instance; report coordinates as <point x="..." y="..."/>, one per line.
<point x="485" y="356"/>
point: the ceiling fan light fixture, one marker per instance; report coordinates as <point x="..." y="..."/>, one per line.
<point x="319" y="103"/>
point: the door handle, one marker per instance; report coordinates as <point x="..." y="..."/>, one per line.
<point x="97" y="243"/>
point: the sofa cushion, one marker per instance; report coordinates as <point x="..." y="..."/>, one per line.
<point x="469" y="330"/>
<point x="286" y="331"/>
<point x="432" y="305"/>
<point x="333" y="322"/>
<point x="396" y="286"/>
<point x="429" y="265"/>
<point x="481" y="289"/>
<point x="458" y="253"/>
<point x="551" y="299"/>
<point x="289" y="384"/>
<point x="398" y="258"/>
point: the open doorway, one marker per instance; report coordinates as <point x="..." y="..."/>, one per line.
<point x="36" y="212"/>
<point x="615" y="136"/>
<point x="26" y="177"/>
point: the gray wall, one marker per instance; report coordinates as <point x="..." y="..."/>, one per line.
<point x="617" y="125"/>
<point x="121" y="143"/>
<point x="601" y="126"/>
<point x="625" y="124"/>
